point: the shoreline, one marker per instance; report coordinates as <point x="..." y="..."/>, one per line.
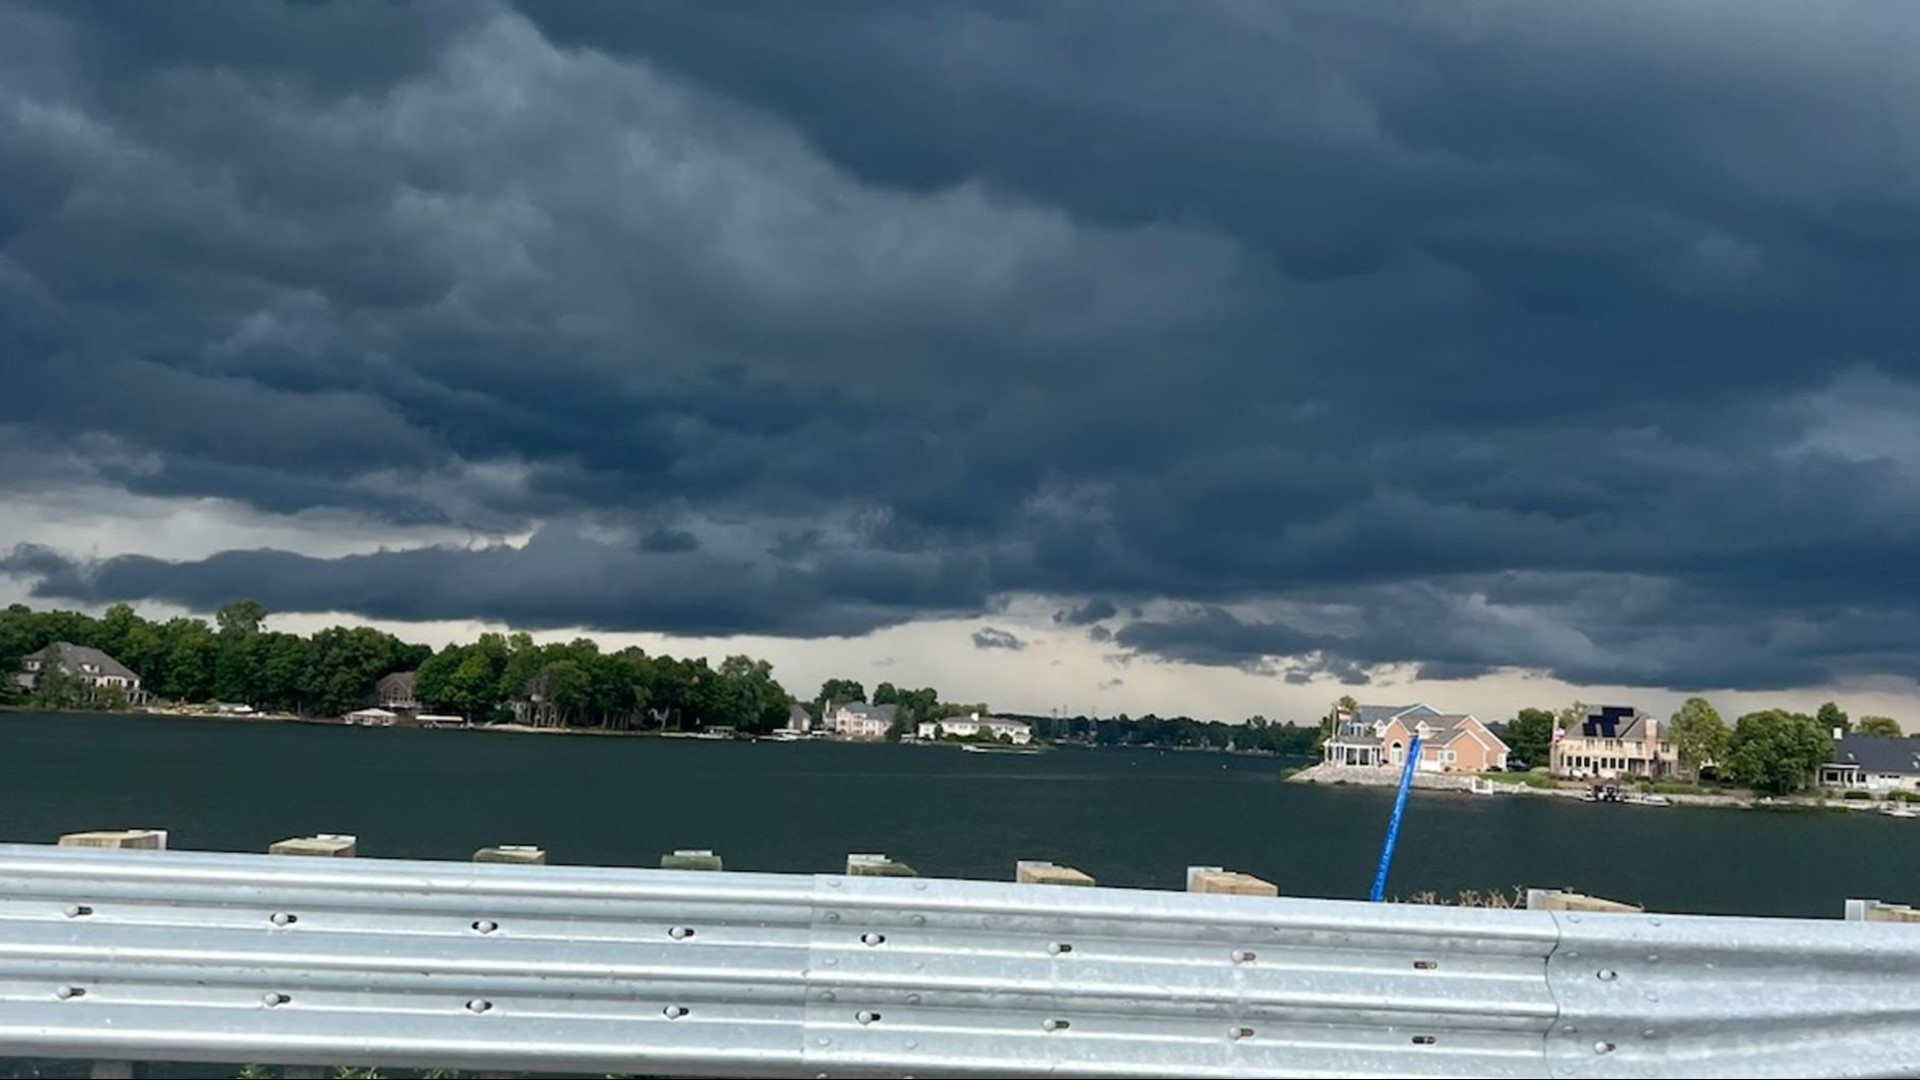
<point x="1461" y="783"/>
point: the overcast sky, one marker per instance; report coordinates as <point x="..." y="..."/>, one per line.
<point x="1205" y="357"/>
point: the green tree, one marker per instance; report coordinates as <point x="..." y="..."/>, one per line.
<point x="1832" y="716"/>
<point x="241" y="617"/>
<point x="1571" y="717"/>
<point x="1698" y="734"/>
<point x="842" y="691"/>
<point x="886" y="694"/>
<point x="1885" y="727"/>
<point x="1777" y="752"/>
<point x="57" y="688"/>
<point x="1530" y="736"/>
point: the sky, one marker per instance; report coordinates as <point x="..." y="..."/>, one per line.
<point x="1176" y="356"/>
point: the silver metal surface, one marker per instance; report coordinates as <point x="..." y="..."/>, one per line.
<point x="187" y="956"/>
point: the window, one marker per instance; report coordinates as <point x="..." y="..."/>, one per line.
<point x="1447" y="758"/>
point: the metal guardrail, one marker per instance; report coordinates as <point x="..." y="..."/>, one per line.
<point x="189" y="956"/>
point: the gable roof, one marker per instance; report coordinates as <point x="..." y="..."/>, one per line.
<point x="1380" y="714"/>
<point x="74" y="658"/>
<point x="1878" y="754"/>
<point x="398" y="682"/>
<point x="1452" y="727"/>
<point x="1614" y="722"/>
<point x="870" y="712"/>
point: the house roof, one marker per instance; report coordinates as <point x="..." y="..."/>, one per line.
<point x="77" y="657"/>
<point x="1380" y="714"/>
<point x="871" y="712"/>
<point x="1615" y="722"/>
<point x="797" y="711"/>
<point x="1452" y="727"/>
<point x="398" y="682"/>
<point x="1878" y="754"/>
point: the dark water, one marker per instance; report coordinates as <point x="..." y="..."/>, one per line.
<point x="1132" y="818"/>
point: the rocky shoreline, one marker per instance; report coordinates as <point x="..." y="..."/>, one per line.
<point x="1388" y="776"/>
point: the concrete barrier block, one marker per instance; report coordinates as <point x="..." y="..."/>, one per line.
<point x="1567" y="900"/>
<point x="525" y="854"/>
<point x="1038" y="872"/>
<point x="324" y="845"/>
<point x="692" y="859"/>
<point x="1214" y="879"/>
<point x="131" y="839"/>
<point x="877" y="866"/>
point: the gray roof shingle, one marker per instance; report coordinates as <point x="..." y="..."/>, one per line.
<point x="1878" y="754"/>
<point x="76" y="658"/>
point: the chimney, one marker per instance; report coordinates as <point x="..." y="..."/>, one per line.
<point x="1837" y="732"/>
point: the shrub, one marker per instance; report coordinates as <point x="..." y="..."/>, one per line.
<point x="1855" y="796"/>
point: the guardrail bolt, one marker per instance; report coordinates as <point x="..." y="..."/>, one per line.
<point x="1603" y="1048"/>
<point x="479" y="1006"/>
<point x="74" y="911"/>
<point x="282" y="918"/>
<point x="1056" y="1025"/>
<point x="1245" y="956"/>
<point x="873" y="939"/>
<point x="1240" y="1032"/>
<point x="274" y="997"/>
<point x="675" y="1012"/>
<point x="66" y="992"/>
<point x="1058" y="947"/>
<point x="866" y="1017"/>
<point x="680" y="933"/>
<point x="485" y="926"/>
<point x="1606" y="974"/>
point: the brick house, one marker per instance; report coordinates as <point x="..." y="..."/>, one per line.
<point x="1379" y="735"/>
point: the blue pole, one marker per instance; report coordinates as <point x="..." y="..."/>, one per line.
<point x="1393" y="825"/>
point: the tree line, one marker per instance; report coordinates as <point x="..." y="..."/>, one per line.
<point x="234" y="659"/>
<point x="497" y="677"/>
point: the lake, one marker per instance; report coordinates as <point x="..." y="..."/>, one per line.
<point x="1128" y="817"/>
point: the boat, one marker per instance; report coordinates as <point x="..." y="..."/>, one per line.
<point x="976" y="748"/>
<point x="1899" y="810"/>
<point x="1654" y="800"/>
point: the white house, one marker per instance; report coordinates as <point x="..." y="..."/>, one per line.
<point x="372" y="717"/>
<point x="1874" y="763"/>
<point x="95" y="671"/>
<point x="972" y="724"/>
<point x="859" y="720"/>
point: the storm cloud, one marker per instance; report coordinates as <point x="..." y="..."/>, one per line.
<point x="1328" y="338"/>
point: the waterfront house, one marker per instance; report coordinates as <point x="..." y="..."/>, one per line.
<point x="859" y="720"/>
<point x="1356" y="735"/>
<point x="395" y="692"/>
<point x="97" y="675"/>
<point x="1872" y="763"/>
<point x="798" y="718"/>
<point x="973" y="724"/>
<point x="1449" y="743"/>
<point x="1614" y="740"/>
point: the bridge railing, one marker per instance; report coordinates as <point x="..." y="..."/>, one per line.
<point x="186" y="956"/>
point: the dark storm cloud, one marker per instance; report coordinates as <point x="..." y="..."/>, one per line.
<point x="666" y="541"/>
<point x="1092" y="611"/>
<point x="1332" y="336"/>
<point x="988" y="637"/>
